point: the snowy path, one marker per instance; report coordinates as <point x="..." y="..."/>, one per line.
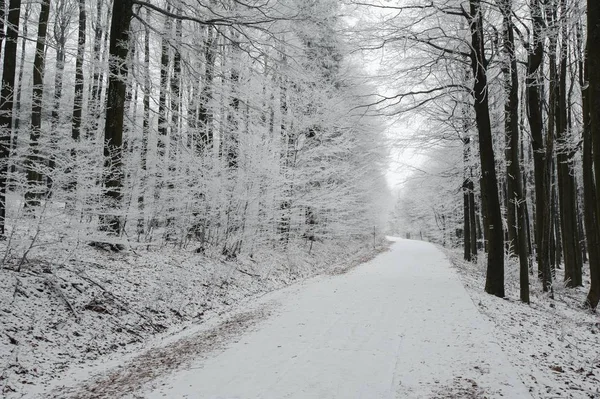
<point x="400" y="326"/>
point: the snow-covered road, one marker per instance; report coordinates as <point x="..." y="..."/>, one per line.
<point x="400" y="326"/>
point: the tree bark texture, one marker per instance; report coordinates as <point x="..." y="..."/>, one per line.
<point x="2" y="16"/>
<point x="516" y="199"/>
<point x="489" y="185"/>
<point x="6" y="102"/>
<point x="113" y="130"/>
<point x="94" y="105"/>
<point x="205" y="119"/>
<point x="34" y="162"/>
<point x="591" y="152"/>
<point x="564" y="163"/>
<point x="534" y="114"/>
<point x="79" y="79"/>
<point x="146" y="129"/>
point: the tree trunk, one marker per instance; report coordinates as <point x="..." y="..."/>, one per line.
<point x="580" y="229"/>
<point x="556" y="236"/>
<point x="534" y="114"/>
<point x="204" y="110"/>
<point x="489" y="186"/>
<point x="232" y="140"/>
<point x="113" y="131"/>
<point x="34" y="162"/>
<point x="146" y="129"/>
<point x="175" y="134"/>
<point x="6" y="102"/>
<point x="564" y="163"/>
<point x="525" y="177"/>
<point x="61" y="27"/>
<point x="161" y="144"/>
<point x="591" y="148"/>
<point x="555" y="241"/>
<point x="593" y="51"/>
<point x="2" y="16"/>
<point x="79" y="85"/>
<point x="516" y="199"/>
<point x="473" y="218"/>
<point x="96" y="90"/>
<point x="17" y="110"/>
<point x="467" y="221"/>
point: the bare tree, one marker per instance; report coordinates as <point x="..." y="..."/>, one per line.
<point x="62" y="22"/>
<point x="34" y="161"/>
<point x="79" y="80"/>
<point x="517" y="218"/>
<point x="592" y="145"/>
<point x="146" y="129"/>
<point x="113" y="132"/>
<point x="2" y="16"/>
<point x="6" y="102"/>
<point x="489" y="186"/>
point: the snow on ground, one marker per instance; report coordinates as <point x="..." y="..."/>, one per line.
<point x="399" y="326"/>
<point x="553" y="344"/>
<point x="68" y="309"/>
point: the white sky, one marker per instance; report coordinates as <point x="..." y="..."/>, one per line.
<point x="404" y="157"/>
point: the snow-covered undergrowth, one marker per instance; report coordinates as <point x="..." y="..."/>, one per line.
<point x="65" y="306"/>
<point x="552" y="343"/>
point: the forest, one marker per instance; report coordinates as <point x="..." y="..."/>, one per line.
<point x="164" y="159"/>
<point x="223" y="126"/>
<point x="509" y="93"/>
<point x="196" y="145"/>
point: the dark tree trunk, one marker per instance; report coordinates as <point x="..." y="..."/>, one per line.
<point x="78" y="95"/>
<point x="590" y="201"/>
<point x="285" y="205"/>
<point x="534" y="113"/>
<point x="525" y="177"/>
<point x="79" y="83"/>
<point x="61" y="27"/>
<point x="204" y="110"/>
<point x="591" y="148"/>
<point x="467" y="222"/>
<point x="96" y="89"/>
<point x="469" y="226"/>
<point x="175" y="97"/>
<point x="593" y="52"/>
<point x="113" y="131"/>
<point x="555" y="242"/>
<point x="489" y="186"/>
<point x="146" y="129"/>
<point x="161" y="145"/>
<point x="17" y="110"/>
<point x="6" y="102"/>
<point x="174" y="135"/>
<point x="564" y="164"/>
<point x="232" y="140"/>
<point x="580" y="229"/>
<point x="516" y="199"/>
<point x="556" y="235"/>
<point x="34" y="175"/>
<point x="473" y="218"/>
<point x="2" y="16"/>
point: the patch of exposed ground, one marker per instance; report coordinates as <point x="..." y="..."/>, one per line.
<point x="464" y="388"/>
<point x="129" y="378"/>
